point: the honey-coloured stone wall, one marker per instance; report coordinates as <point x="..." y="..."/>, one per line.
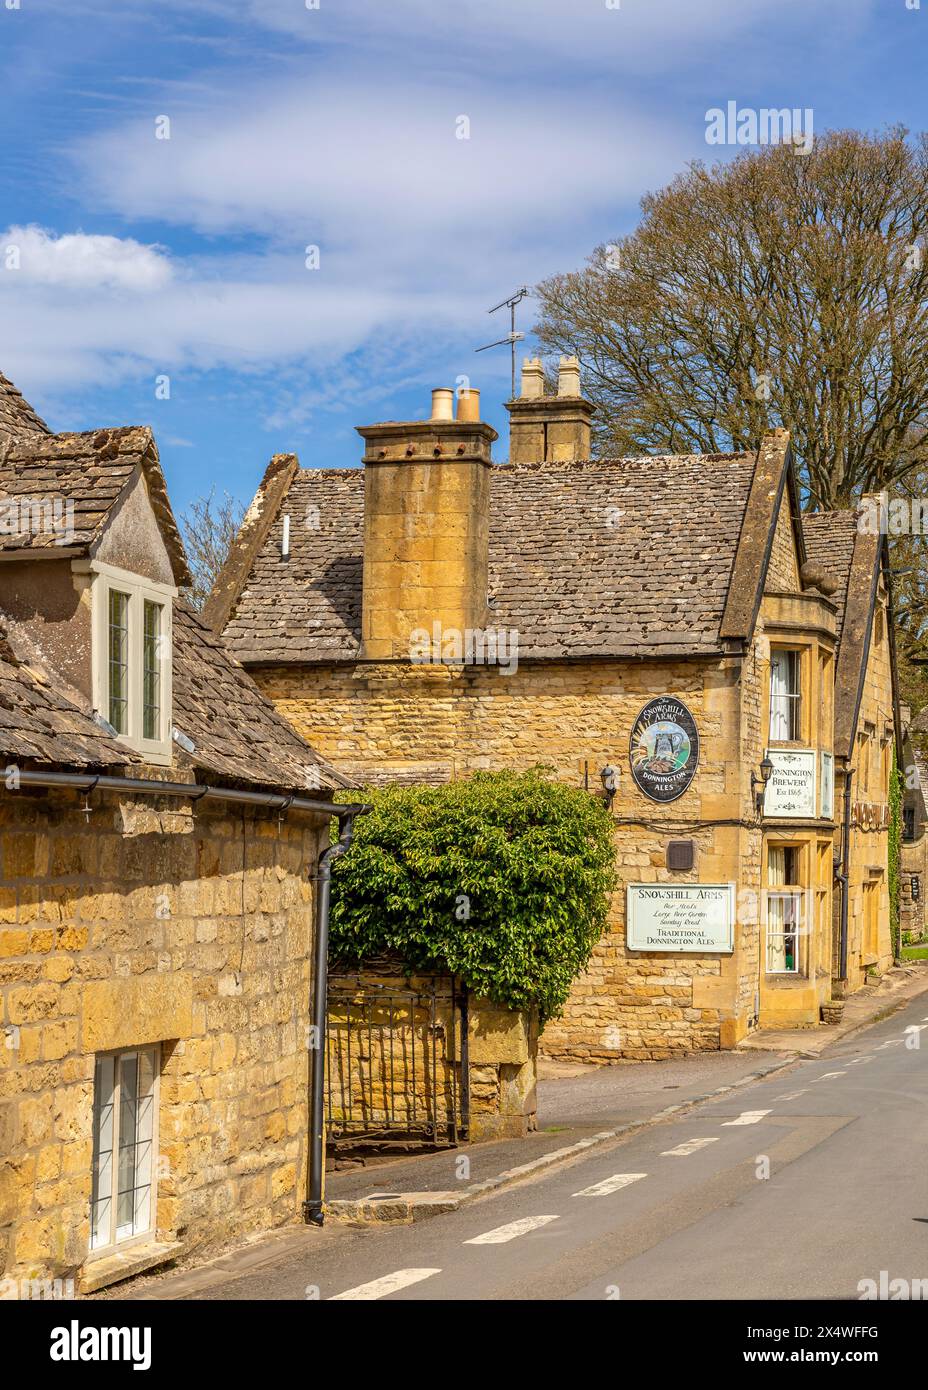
<point x="184" y="925"/>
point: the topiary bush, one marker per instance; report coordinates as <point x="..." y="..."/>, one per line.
<point x="502" y="879"/>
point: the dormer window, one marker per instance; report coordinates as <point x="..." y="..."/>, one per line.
<point x="132" y="659"/>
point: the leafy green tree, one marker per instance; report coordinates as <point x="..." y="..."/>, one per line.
<point x="502" y="879"/>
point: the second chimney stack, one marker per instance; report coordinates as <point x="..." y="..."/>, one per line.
<point x="549" y="429"/>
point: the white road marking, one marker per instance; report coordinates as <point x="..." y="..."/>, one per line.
<point x="890" y="1042"/>
<point x="827" y="1074"/>
<point x="689" y="1147"/>
<point x="748" y="1117"/>
<point x="791" y="1095"/>
<point x="501" y="1234"/>
<point x="389" y="1283"/>
<point x="613" y="1184"/>
<point x="916" y="1027"/>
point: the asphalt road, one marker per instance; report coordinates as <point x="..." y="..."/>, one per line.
<point x="799" y="1186"/>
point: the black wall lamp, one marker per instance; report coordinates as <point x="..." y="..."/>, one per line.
<point x="610" y="780"/>
<point x="759" y="784"/>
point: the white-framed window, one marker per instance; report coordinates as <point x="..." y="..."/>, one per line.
<point x="784" y="902"/>
<point x="125" y="1130"/>
<point x="785" y="695"/>
<point x="132" y="644"/>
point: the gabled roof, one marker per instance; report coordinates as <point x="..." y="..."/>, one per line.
<point x="629" y="557"/>
<point x="92" y="470"/>
<point x="237" y="734"/>
<point x="17" y="418"/>
<point x="830" y="539"/>
<point x="773" y="483"/>
<point x="853" y="556"/>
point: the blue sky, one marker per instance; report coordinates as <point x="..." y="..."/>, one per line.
<point x="142" y="258"/>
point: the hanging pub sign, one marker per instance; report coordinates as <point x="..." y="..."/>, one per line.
<point x="664" y="749"/>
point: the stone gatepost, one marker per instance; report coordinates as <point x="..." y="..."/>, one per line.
<point x="502" y="1049"/>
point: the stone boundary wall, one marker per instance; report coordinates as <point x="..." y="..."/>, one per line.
<point x="383" y="1061"/>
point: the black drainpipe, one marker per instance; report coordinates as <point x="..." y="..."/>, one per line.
<point x="845" y="865"/>
<point x="313" y="1213"/>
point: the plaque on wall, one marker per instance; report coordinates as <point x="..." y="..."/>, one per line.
<point x="663" y="749"/>
<point x="680" y="917"/>
<point x="791" y="789"/>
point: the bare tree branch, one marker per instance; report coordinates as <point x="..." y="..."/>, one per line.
<point x="209" y="529"/>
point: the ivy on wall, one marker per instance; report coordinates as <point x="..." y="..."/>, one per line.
<point x="502" y="879"/>
<point x="895" y="854"/>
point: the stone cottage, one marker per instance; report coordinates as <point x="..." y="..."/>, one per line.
<point x="160" y="830"/>
<point x="673" y="624"/>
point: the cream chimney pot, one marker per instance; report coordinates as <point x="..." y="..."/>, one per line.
<point x="533" y="378"/>
<point x="443" y="404"/>
<point x="549" y="429"/>
<point x="568" y="377"/>
<point x="469" y="407"/>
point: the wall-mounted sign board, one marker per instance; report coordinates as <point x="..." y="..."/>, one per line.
<point x="790" y="793"/>
<point x="680" y="917"/>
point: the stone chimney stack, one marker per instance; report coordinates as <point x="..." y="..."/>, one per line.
<point x="426" y="525"/>
<point x="549" y="429"/>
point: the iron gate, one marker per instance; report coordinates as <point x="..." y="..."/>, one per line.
<point x="396" y="1061"/>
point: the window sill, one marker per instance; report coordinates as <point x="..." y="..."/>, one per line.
<point x="99" y="1271"/>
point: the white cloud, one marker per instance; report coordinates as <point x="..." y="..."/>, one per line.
<point x="615" y="36"/>
<point x="377" y="163"/>
<point x="77" y="261"/>
<point x="419" y="232"/>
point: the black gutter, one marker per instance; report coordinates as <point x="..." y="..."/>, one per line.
<point x="313" y="1213"/>
<point x="845" y="866"/>
<point x="194" y="791"/>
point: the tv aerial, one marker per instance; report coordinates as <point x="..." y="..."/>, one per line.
<point x="512" y="337"/>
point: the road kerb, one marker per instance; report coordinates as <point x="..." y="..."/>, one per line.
<point x="403" y="1208"/>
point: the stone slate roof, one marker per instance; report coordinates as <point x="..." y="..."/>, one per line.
<point x="237" y="734"/>
<point x="612" y="557"/>
<point x="17" y="418"/>
<point x="830" y="538"/>
<point x="90" y="469"/>
<point x="39" y="724"/>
